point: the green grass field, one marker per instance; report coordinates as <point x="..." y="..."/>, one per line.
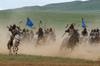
<point x="29" y="59"/>
<point x="55" y="20"/>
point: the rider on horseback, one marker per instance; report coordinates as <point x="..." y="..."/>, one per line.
<point x="14" y="31"/>
<point x="31" y="34"/>
<point x="92" y="32"/>
<point x="40" y="34"/>
<point x="72" y="33"/>
<point x="98" y="31"/>
<point x="84" y="32"/>
<point x="19" y="30"/>
<point x="24" y="31"/>
<point x="52" y="35"/>
<point x="27" y="32"/>
<point x="46" y="32"/>
<point x="51" y="32"/>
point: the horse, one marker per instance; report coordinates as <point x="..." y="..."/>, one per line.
<point x="13" y="44"/>
<point x="41" y="41"/>
<point x="94" y="39"/>
<point x="83" y="39"/>
<point x="25" y="36"/>
<point x="69" y="43"/>
<point x="32" y="37"/>
<point x="51" y="37"/>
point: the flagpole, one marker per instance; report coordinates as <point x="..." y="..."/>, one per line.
<point x="40" y="23"/>
<point x="25" y="26"/>
<point x="26" y="22"/>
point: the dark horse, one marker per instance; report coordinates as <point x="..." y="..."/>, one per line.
<point x="69" y="43"/>
<point x="94" y="41"/>
<point x="41" y="41"/>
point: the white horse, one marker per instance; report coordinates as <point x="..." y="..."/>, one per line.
<point x="25" y="36"/>
<point x="13" y="45"/>
<point x="83" y="40"/>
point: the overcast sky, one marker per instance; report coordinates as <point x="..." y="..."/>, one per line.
<point x="10" y="4"/>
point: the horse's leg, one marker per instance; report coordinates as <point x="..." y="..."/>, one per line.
<point x="9" y="51"/>
<point x="9" y="48"/>
<point x="16" y="49"/>
<point x="13" y="49"/>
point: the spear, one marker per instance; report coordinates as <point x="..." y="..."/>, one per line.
<point x="63" y="34"/>
<point x="40" y="23"/>
<point x="20" y="23"/>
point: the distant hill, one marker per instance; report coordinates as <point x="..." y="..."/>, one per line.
<point x="86" y="7"/>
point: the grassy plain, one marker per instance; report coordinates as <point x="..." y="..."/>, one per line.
<point x="28" y="60"/>
<point x="54" y="20"/>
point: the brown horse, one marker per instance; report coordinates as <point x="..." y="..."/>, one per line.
<point x="69" y="44"/>
<point x="41" y="41"/>
<point x="94" y="41"/>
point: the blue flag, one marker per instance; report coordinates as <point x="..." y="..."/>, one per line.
<point x="83" y="24"/>
<point x="30" y="23"/>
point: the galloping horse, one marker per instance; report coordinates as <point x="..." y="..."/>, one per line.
<point x="83" y="39"/>
<point x="70" y="43"/>
<point x="52" y="37"/>
<point x="13" y="44"/>
<point x="95" y="39"/>
<point x="41" y="41"/>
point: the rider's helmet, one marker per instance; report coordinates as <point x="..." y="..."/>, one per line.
<point x="50" y="29"/>
<point x="24" y="30"/>
<point x="27" y="30"/>
<point x="10" y="25"/>
<point x="14" y="26"/>
<point x="72" y="26"/>
<point x="40" y="29"/>
<point x="47" y="29"/>
<point x="84" y="29"/>
<point x="31" y="31"/>
<point x="97" y="30"/>
<point x="94" y="30"/>
<point x="66" y="26"/>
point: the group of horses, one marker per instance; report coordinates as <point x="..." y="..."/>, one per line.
<point x="69" y="43"/>
<point x="85" y="40"/>
<point x="29" y="37"/>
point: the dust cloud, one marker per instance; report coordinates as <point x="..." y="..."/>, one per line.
<point x="83" y="51"/>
